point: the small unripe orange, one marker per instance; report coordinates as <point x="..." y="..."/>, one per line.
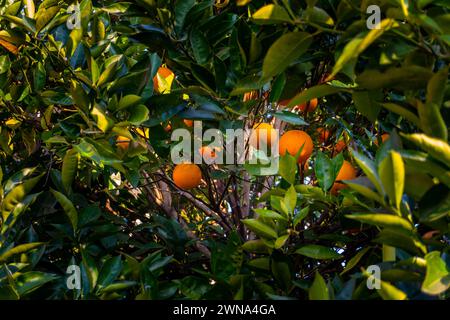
<point x="187" y="176"/>
<point x="293" y="140"/>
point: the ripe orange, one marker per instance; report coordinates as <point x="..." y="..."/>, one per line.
<point x="309" y="106"/>
<point x="341" y="145"/>
<point x="258" y="133"/>
<point x="284" y="102"/>
<point x="347" y="172"/>
<point x="123" y="142"/>
<point x="168" y="127"/>
<point x="324" y="134"/>
<point x="208" y="153"/>
<point x="188" y="123"/>
<point x="187" y="176"/>
<point x="251" y="95"/>
<point x="164" y="73"/>
<point x="384" y="137"/>
<point x="293" y="140"/>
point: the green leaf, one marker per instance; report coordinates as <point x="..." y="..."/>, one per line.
<point x="431" y="120"/>
<point x="403" y="112"/>
<point x="400" y="239"/>
<point x="32" y="280"/>
<point x="437" y="148"/>
<point x="281" y="241"/>
<point x="392" y="175"/>
<point x="260" y="228"/>
<point x="363" y="189"/>
<point x="366" y="103"/>
<point x="318" y="91"/>
<point x="319" y="289"/>
<point x="75" y="37"/>
<point x="353" y="262"/>
<point x="68" y="207"/>
<point x="423" y="163"/>
<point x="271" y="14"/>
<point x="436" y="87"/>
<point x="255" y="246"/>
<point x="270" y="214"/>
<point x="103" y="122"/>
<point x="288" y="168"/>
<point x="360" y="43"/>
<point x="110" y="271"/>
<point x="108" y="74"/>
<point x="17" y="195"/>
<point x="277" y="87"/>
<point x="44" y="16"/>
<point x="290" y="199"/>
<point x="26" y="22"/>
<point x="5" y="64"/>
<point x="437" y="278"/>
<point x="260" y="263"/>
<point x="318" y="252"/>
<point x="200" y="47"/>
<point x="384" y="220"/>
<point x="389" y="292"/>
<point x="403" y="78"/>
<point x="138" y="115"/>
<point x="182" y="8"/>
<point x="90" y="267"/>
<point x="118" y="286"/>
<point x="69" y="168"/>
<point x="300" y="216"/>
<point x="290" y="117"/>
<point x="327" y="169"/>
<point x="368" y="166"/>
<point x="284" y="51"/>
<point x="102" y="157"/>
<point x="129" y="101"/>
<point x="281" y="270"/>
<point x="22" y="248"/>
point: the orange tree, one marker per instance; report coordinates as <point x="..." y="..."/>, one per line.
<point x="90" y="93"/>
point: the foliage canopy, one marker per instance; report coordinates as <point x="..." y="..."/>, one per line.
<point x="73" y="81"/>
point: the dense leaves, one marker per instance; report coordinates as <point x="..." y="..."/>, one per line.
<point x="91" y="91"/>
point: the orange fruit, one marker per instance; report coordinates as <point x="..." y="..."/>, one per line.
<point x="384" y="137"/>
<point x="258" y="134"/>
<point x="123" y="142"/>
<point x="347" y="172"/>
<point x="187" y="176"/>
<point x="284" y="102"/>
<point x="208" y="152"/>
<point x="168" y="127"/>
<point x="324" y="134"/>
<point x="163" y="73"/>
<point x="291" y="141"/>
<point x="251" y="95"/>
<point x="309" y="106"/>
<point x="188" y="123"/>
<point x="341" y="145"/>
